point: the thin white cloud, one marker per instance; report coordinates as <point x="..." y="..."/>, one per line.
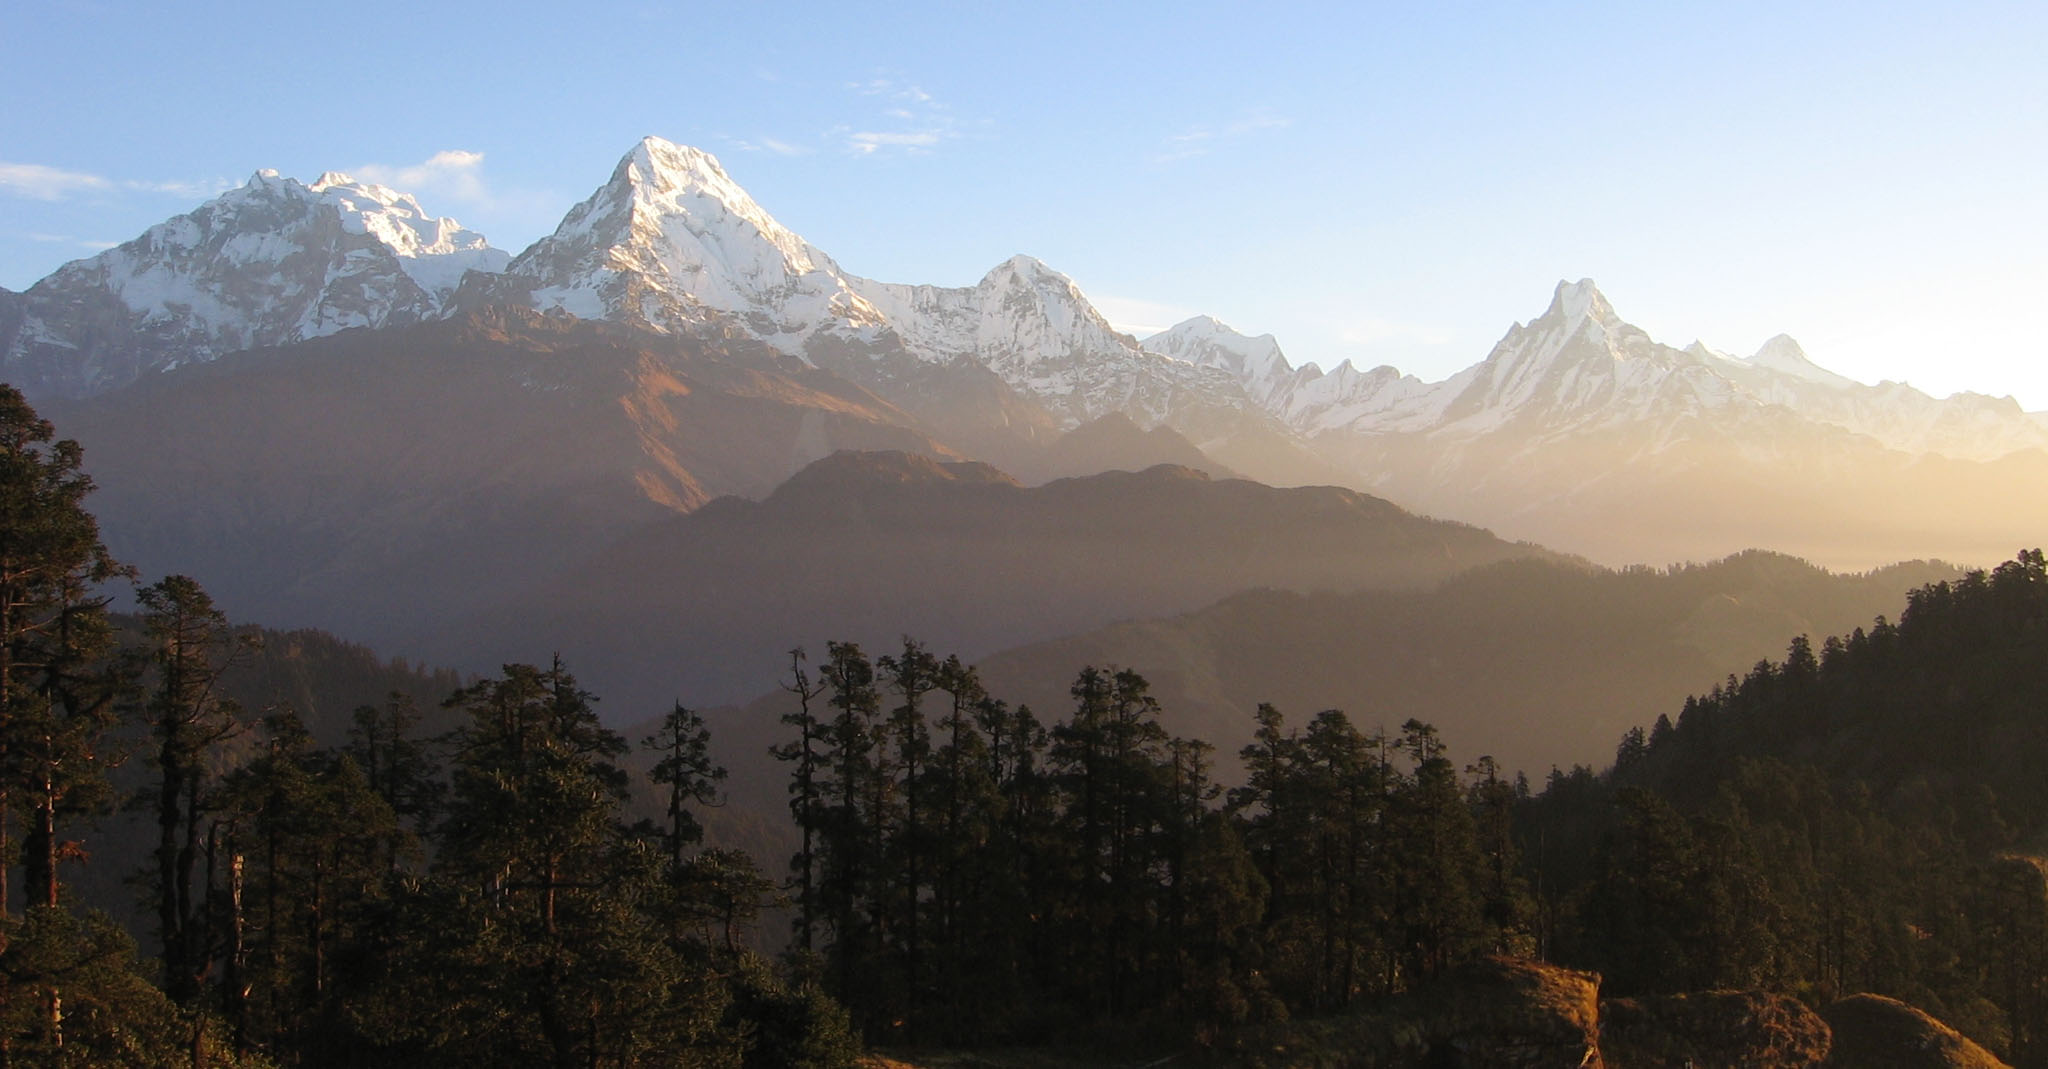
<point x="453" y="181"/>
<point x="66" y="239"/>
<point x="891" y="88"/>
<point x="451" y="173"/>
<point x="863" y="142"/>
<point x="909" y="121"/>
<point x="195" y="190"/>
<point x="1199" y="140"/>
<point x="38" y="182"/>
<point x="768" y="144"/>
<point x="1140" y="318"/>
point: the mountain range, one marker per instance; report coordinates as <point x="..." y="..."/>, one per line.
<point x="1578" y="430"/>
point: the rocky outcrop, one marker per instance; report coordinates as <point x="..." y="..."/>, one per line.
<point x="1494" y="1013"/>
<point x="1509" y="1013"/>
<point x="1874" y="1032"/>
<point x="1711" y="1030"/>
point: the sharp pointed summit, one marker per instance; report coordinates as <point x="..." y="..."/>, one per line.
<point x="1574" y="301"/>
<point x="669" y="237"/>
<point x="670" y="242"/>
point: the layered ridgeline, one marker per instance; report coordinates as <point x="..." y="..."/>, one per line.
<point x="869" y="547"/>
<point x="1577" y="430"/>
<point x="1539" y="663"/>
<point x="380" y="484"/>
<point x="1580" y="431"/>
<point x="1536" y="661"/>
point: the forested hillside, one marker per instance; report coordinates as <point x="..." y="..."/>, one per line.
<point x="344" y="861"/>
<point x="1866" y="814"/>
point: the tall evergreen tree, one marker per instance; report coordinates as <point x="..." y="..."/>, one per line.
<point x="539" y="890"/>
<point x="860" y="788"/>
<point x="686" y="773"/>
<point x="188" y="716"/>
<point x="913" y="675"/>
<point x="806" y="803"/>
<point x="52" y="629"/>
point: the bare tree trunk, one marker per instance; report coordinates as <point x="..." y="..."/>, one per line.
<point x="234" y="982"/>
<point x="169" y="902"/>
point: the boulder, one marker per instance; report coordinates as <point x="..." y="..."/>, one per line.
<point x="1874" y="1032"/>
<point x="1711" y="1030"/>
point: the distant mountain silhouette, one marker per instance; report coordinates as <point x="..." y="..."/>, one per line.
<point x="870" y="547"/>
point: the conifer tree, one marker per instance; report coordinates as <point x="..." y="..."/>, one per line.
<point x="806" y="804"/>
<point x="913" y="674"/>
<point x="188" y="716"/>
<point x="860" y="789"/>
<point x="401" y="767"/>
<point x="539" y="888"/>
<point x="52" y="631"/>
<point x="686" y="770"/>
<point x="1436" y="913"/>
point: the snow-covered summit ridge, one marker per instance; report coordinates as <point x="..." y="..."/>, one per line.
<point x="1579" y="367"/>
<point x="269" y="262"/>
<point x="670" y="236"/>
<point x="1255" y="361"/>
<point x="671" y="239"/>
<point x="435" y="251"/>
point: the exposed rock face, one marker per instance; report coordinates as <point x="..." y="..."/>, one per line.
<point x="1495" y="1013"/>
<point x="1514" y="1014"/>
<point x="1874" y="1032"/>
<point x="1711" y="1030"/>
<point x="1509" y="1013"/>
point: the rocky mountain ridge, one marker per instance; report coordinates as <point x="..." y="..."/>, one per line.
<point x="1577" y="428"/>
<point x="268" y="263"/>
<point x="670" y="238"/>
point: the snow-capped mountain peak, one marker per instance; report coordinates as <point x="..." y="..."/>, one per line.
<point x="269" y="262"/>
<point x="1783" y="355"/>
<point x="1257" y="362"/>
<point x="671" y="235"/>
<point x="434" y="251"/>
<point x="665" y="176"/>
<point x="1574" y="301"/>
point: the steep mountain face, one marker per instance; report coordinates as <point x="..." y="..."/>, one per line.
<point x="1578" y="429"/>
<point x="1032" y="326"/>
<point x="1965" y="426"/>
<point x="670" y="239"/>
<point x="378" y="483"/>
<point x="1579" y="367"/>
<point x="269" y="263"/>
<point x="1257" y="363"/>
<point x="869" y="547"/>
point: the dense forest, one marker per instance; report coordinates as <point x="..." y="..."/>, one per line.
<point x="488" y="875"/>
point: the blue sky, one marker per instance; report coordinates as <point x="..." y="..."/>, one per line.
<point x="1384" y="183"/>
